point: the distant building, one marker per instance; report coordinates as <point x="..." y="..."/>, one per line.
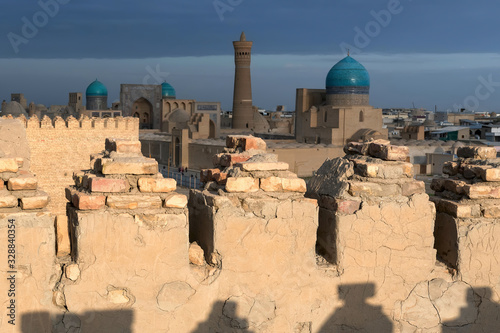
<point x="97" y="96"/>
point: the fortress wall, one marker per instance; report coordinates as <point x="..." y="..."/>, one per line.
<point x="61" y="147"/>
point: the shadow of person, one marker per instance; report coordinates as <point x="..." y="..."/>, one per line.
<point x="356" y="315"/>
<point x="223" y="318"/>
<point x="479" y="315"/>
<point x="115" y="321"/>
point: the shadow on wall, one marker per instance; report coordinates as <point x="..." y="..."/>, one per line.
<point x="224" y="318"/>
<point x="119" y="321"/>
<point x="356" y="315"/>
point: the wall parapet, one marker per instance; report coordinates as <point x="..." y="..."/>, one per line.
<point x="84" y="122"/>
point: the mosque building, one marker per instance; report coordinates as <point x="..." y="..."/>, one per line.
<point x="341" y="112"/>
<point x="97" y="96"/>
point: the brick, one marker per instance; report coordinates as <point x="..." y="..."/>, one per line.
<point x="481" y="153"/>
<point x="100" y="184"/>
<point x="22" y="183"/>
<point x="175" y="200"/>
<point x="294" y="185"/>
<point x="384" y="171"/>
<point x="482" y="191"/>
<point x="84" y="201"/>
<point x="457" y="210"/>
<point x="491" y="212"/>
<point x="204" y="178"/>
<point x="263" y="166"/>
<point x="437" y="184"/>
<point x="271" y="184"/>
<point x="8" y="201"/>
<point x="358" y="148"/>
<point x="143" y="167"/>
<point x="455" y="186"/>
<point x="68" y="193"/>
<point x="19" y="161"/>
<point x="133" y="202"/>
<point x="157" y="185"/>
<point x="220" y="178"/>
<point x="123" y="146"/>
<point x="246" y="142"/>
<point x="473" y="171"/>
<point x="363" y="189"/>
<point x="216" y="159"/>
<point x="36" y="202"/>
<point x="63" y="244"/>
<point x="411" y="188"/>
<point x="242" y="184"/>
<point x="227" y="160"/>
<point x="347" y="207"/>
<point x="8" y="165"/>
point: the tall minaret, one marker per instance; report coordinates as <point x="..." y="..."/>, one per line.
<point x="242" y="98"/>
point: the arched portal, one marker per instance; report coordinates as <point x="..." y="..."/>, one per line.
<point x="177" y="154"/>
<point x="211" y="133"/>
<point x="144" y="109"/>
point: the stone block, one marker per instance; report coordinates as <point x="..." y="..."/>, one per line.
<point x="8" y="165"/>
<point x="146" y="166"/>
<point x="84" y="201"/>
<point x="411" y="188"/>
<point x="489" y="174"/>
<point x="175" y="200"/>
<point x="63" y="245"/>
<point x="157" y="185"/>
<point x="246" y="142"/>
<point x="133" y="202"/>
<point x="384" y="171"/>
<point x="358" y="148"/>
<point x="455" y="186"/>
<point x="196" y="254"/>
<point x="22" y="183"/>
<point x="263" y="166"/>
<point x="242" y="184"/>
<point x="8" y="201"/>
<point x="480" y="153"/>
<point x="271" y="184"/>
<point x="220" y="178"/>
<point x="36" y="202"/>
<point x="437" y="184"/>
<point x="123" y="146"/>
<point x="482" y="191"/>
<point x="99" y="184"/>
<point x="294" y="185"/>
<point x="491" y="212"/>
<point x="456" y="209"/>
<point x="450" y="168"/>
<point x="387" y="152"/>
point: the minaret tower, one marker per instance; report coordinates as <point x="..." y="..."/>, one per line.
<point x="242" y="98"/>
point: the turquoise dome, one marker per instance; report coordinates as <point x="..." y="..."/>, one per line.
<point x="96" y="88"/>
<point x="167" y="90"/>
<point x="348" y="76"/>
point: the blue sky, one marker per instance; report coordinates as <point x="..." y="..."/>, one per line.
<point x="417" y="51"/>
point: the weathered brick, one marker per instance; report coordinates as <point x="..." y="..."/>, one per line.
<point x="8" y="165"/>
<point x="230" y="159"/>
<point x="144" y="167"/>
<point x="364" y="189"/>
<point x="36" y="202"/>
<point x="481" y="153"/>
<point x="455" y="186"/>
<point x="63" y="245"/>
<point x="22" y="183"/>
<point x="414" y="187"/>
<point x="437" y="184"/>
<point x="8" y="201"/>
<point x="491" y="212"/>
<point x="490" y="174"/>
<point x="271" y="184"/>
<point x="356" y="148"/>
<point x="123" y="146"/>
<point x="157" y="185"/>
<point x="175" y="200"/>
<point x="456" y="209"/>
<point x="246" y="142"/>
<point x="389" y="152"/>
<point x="294" y="185"/>
<point x="242" y="184"/>
<point x="263" y="166"/>
<point x="384" y="171"/>
<point x="482" y="191"/>
<point x="84" y="201"/>
<point x="19" y="161"/>
<point x="100" y="184"/>
<point x="133" y="202"/>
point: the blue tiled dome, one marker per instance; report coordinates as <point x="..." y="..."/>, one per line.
<point x="348" y="76"/>
<point x="96" y="88"/>
<point x="167" y="90"/>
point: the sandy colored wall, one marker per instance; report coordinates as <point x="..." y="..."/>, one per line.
<point x="59" y="148"/>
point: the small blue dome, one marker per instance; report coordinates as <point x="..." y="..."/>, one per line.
<point x="167" y="90"/>
<point x="347" y="73"/>
<point x="96" y="88"/>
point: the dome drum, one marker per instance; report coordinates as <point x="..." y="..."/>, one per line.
<point x="347" y="84"/>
